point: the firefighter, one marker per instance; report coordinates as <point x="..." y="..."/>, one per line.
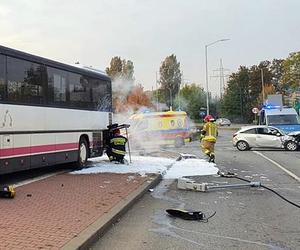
<point x="116" y="149"/>
<point x="208" y="137"/>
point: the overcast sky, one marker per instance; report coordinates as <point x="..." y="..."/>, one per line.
<point x="147" y="31"/>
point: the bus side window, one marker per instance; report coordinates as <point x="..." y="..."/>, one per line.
<point x="2" y="78"/>
<point x="79" y="90"/>
<point x="24" y="81"/>
<point x="57" y="87"/>
<point x="100" y="95"/>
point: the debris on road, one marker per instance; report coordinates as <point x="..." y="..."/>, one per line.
<point x="189" y="215"/>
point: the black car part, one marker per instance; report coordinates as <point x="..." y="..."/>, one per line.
<point x="189" y="215"/>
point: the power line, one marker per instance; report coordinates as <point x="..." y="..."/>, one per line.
<point x="222" y="76"/>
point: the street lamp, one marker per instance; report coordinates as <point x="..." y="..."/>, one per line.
<point x="206" y="73"/>
<point x="263" y="65"/>
<point x="262" y="85"/>
<point x="169" y="88"/>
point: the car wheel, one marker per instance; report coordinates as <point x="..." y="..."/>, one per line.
<point x="291" y="146"/>
<point x="242" y="145"/>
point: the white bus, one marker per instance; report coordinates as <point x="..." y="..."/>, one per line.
<point x="50" y="113"/>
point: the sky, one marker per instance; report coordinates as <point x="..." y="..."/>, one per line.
<point x="147" y="31"/>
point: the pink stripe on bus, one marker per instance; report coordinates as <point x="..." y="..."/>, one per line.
<point x="37" y="149"/>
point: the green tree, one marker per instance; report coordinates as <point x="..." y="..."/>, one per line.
<point x="121" y="69"/>
<point x="291" y="72"/>
<point x="127" y="70"/>
<point x="170" y="77"/>
<point x="116" y="68"/>
<point x="234" y="103"/>
<point x="244" y="91"/>
<point x="190" y="99"/>
<point x="157" y="98"/>
<point x="276" y="69"/>
<point x="255" y="84"/>
<point x="121" y="73"/>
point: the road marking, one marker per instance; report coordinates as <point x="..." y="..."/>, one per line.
<point x="25" y="182"/>
<point x="278" y="165"/>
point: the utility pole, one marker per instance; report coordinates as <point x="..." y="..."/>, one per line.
<point x="179" y="99"/>
<point x="262" y="85"/>
<point x="156" y="81"/>
<point x="206" y="72"/>
<point x="221" y="75"/>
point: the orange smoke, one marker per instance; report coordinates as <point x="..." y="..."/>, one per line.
<point x="136" y="99"/>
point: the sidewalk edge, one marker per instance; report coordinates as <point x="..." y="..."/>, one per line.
<point x="92" y="233"/>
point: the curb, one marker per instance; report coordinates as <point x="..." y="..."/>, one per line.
<point x="232" y="129"/>
<point x="92" y="233"/>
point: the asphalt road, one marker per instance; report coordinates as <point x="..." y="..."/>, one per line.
<point x="246" y="218"/>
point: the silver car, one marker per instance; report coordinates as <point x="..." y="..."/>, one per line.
<point x="259" y="137"/>
<point x="223" y="122"/>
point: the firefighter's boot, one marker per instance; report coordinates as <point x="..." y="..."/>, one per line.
<point x="212" y="158"/>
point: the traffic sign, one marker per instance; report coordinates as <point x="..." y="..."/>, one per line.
<point x="255" y="110"/>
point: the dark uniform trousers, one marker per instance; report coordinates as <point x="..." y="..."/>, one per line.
<point x="117" y="148"/>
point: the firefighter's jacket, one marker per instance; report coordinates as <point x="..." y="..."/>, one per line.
<point x="209" y="132"/>
<point x="118" y="144"/>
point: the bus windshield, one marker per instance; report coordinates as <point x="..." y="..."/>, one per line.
<point x="282" y="119"/>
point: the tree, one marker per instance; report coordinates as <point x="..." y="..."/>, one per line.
<point x="116" y="68"/>
<point x="255" y="85"/>
<point x="170" y="77"/>
<point x="121" y="69"/>
<point x="291" y="72"/>
<point x="234" y="103"/>
<point x="244" y="91"/>
<point x="128" y="70"/>
<point x="276" y="69"/>
<point x="191" y="99"/>
<point x="122" y="75"/>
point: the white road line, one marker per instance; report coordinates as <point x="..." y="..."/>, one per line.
<point x="278" y="165"/>
<point x="23" y="183"/>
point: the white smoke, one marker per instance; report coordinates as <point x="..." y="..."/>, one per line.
<point x="121" y="88"/>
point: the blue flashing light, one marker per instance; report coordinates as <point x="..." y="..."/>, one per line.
<point x="270" y="106"/>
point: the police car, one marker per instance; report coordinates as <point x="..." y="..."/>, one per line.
<point x="284" y="118"/>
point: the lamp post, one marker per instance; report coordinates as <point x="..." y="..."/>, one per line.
<point x="263" y="65"/>
<point x="206" y="72"/>
<point x="169" y="88"/>
<point x="262" y="85"/>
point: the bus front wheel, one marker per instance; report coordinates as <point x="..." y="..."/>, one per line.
<point x="82" y="153"/>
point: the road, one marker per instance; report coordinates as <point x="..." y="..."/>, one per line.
<point x="246" y="218"/>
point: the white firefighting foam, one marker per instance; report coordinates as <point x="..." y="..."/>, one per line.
<point x="169" y="168"/>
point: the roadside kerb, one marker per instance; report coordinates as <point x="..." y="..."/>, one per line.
<point x="233" y="127"/>
<point x="92" y="233"/>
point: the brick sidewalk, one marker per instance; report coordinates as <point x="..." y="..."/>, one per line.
<point x="49" y="213"/>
